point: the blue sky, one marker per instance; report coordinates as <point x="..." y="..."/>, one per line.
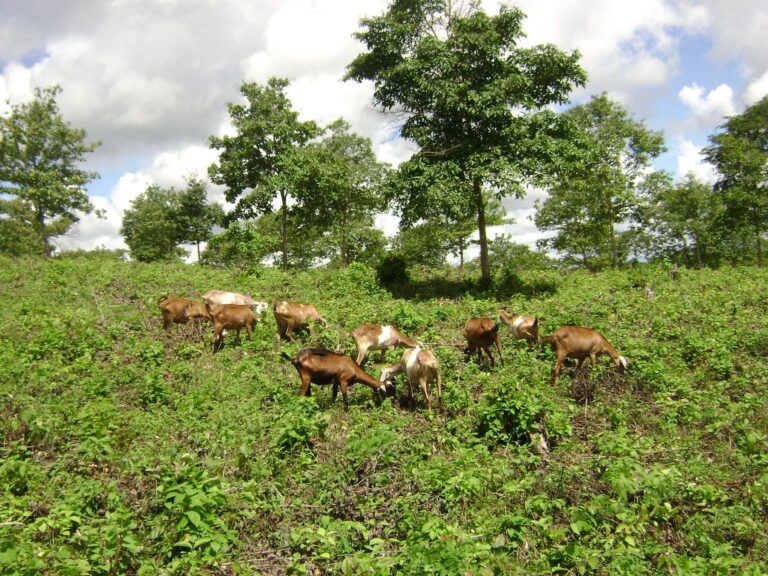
<point x="151" y="79"/>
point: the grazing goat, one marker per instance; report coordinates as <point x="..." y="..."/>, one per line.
<point x="230" y="317"/>
<point x="178" y="310"/>
<point x="292" y="315"/>
<point x="522" y="327"/>
<point x="325" y="367"/>
<point x="222" y="297"/>
<point x="378" y="337"/>
<point x="481" y="333"/>
<point x="419" y="366"/>
<point x="580" y="343"/>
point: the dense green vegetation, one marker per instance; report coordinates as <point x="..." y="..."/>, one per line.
<point x="125" y="451"/>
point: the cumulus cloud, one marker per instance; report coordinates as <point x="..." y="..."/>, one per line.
<point x="689" y="159"/>
<point x="757" y="89"/>
<point x="710" y="108"/>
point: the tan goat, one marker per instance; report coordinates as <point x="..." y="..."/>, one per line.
<point x="580" y="343"/>
<point x="419" y="366"/>
<point x="230" y="317"/>
<point x="481" y="334"/>
<point x="522" y="327"/>
<point x="176" y="310"/>
<point x="320" y="366"/>
<point x="377" y="337"/>
<point x="292" y="315"/>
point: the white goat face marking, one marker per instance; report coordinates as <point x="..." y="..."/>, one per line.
<point x="385" y="336"/>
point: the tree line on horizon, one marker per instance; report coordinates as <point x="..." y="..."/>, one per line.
<point x="480" y="109"/>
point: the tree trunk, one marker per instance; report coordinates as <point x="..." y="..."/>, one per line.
<point x="198" y="251"/>
<point x="344" y="250"/>
<point x="614" y="249"/>
<point x="40" y="221"/>
<point x="485" y="265"/>
<point x="760" y="261"/>
<point x="284" y="227"/>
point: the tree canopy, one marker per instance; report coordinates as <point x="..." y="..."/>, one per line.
<point x="473" y="100"/>
<point x="258" y="164"/>
<point x="739" y="151"/>
<point x="604" y="182"/>
<point x="40" y="155"/>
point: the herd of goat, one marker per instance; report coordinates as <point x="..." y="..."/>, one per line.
<point x="232" y="311"/>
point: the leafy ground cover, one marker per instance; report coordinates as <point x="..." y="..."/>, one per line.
<point x="126" y="451"/>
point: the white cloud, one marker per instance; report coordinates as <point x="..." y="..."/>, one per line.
<point x="689" y="159"/>
<point x="710" y="108"/>
<point x="757" y="89"/>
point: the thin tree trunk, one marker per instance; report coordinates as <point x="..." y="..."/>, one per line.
<point x="284" y="228"/>
<point x="485" y="265"/>
<point x="40" y="220"/>
<point x="198" y="251"/>
<point x="614" y="249"/>
<point x="760" y="261"/>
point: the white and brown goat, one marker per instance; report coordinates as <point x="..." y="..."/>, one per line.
<point x="321" y="366"/>
<point x="377" y="337"/>
<point x="177" y="310"/>
<point x="292" y="315"/>
<point x="230" y="317"/>
<point x="580" y="343"/>
<point x="223" y="297"/>
<point x="419" y="366"/>
<point x="481" y="334"/>
<point x="522" y="327"/>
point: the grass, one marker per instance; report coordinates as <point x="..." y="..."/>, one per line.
<point x="126" y="451"/>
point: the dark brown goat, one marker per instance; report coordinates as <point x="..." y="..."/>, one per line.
<point x="481" y="334"/>
<point x="176" y="310"/>
<point x="320" y="366"/>
<point x="230" y="317"/>
<point x="580" y="343"/>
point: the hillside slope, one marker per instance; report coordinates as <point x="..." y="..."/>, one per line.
<point x="126" y="451"/>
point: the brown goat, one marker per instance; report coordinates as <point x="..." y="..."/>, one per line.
<point x="176" y="310"/>
<point x="481" y="334"/>
<point x="292" y="315"/>
<point x="419" y="366"/>
<point x="522" y="327"/>
<point x="580" y="343"/>
<point x="378" y="337"/>
<point x="325" y="367"/>
<point x="230" y="317"/>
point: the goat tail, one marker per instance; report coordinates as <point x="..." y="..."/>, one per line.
<point x="286" y="357"/>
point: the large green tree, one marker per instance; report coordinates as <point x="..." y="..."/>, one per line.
<point x="160" y="219"/>
<point x="339" y="189"/>
<point x="40" y="155"/>
<point x="259" y="163"/>
<point x="684" y="219"/>
<point x="149" y="225"/>
<point x="739" y="151"/>
<point x="604" y="182"/>
<point x="195" y="215"/>
<point x="474" y="101"/>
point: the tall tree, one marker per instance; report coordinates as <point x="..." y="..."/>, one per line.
<point x="39" y="157"/>
<point x="258" y="163"/>
<point x="197" y="216"/>
<point x="604" y="183"/>
<point x="739" y="151"/>
<point x="150" y="226"/>
<point x="684" y="218"/>
<point x="473" y="100"/>
<point x="339" y="187"/>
